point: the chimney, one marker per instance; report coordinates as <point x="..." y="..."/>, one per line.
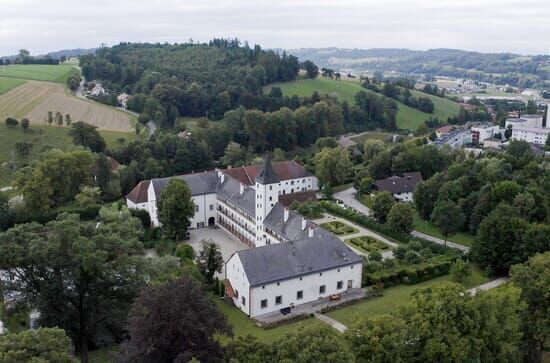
<point x="310" y="232"/>
<point x="241" y="190"/>
<point x="285" y="215"/>
<point x="222" y="177"/>
<point x="304" y="223"/>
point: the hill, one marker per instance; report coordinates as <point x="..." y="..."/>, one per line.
<point x="407" y="117"/>
<point x="39" y="72"/>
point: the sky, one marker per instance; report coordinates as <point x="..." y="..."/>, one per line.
<point x="518" y="26"/>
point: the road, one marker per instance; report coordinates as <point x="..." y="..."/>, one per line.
<point x="330" y="321"/>
<point x="440" y="241"/>
<point x="489" y="285"/>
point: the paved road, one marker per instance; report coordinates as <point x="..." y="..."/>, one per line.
<point x="330" y="321"/>
<point x="440" y="241"/>
<point x="489" y="285"/>
<point x="348" y="197"/>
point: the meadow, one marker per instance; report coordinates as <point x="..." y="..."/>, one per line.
<point x="7" y="84"/>
<point x="407" y="117"/>
<point x="39" y="72"/>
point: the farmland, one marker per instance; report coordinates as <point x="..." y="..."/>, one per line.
<point x="34" y="99"/>
<point x="42" y="136"/>
<point x="7" y="84"/>
<point x="39" y="72"/>
<point x="407" y="117"/>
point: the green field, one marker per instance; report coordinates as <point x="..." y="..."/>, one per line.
<point x="38" y="72"/>
<point x="396" y="296"/>
<point x="9" y="83"/>
<point x="423" y="226"/>
<point x="41" y="136"/>
<point x="407" y="117"/>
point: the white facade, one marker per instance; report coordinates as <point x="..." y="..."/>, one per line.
<point x="403" y="197"/>
<point x="485" y="132"/>
<point x="273" y="296"/>
<point x="533" y="135"/>
<point x="132" y="205"/>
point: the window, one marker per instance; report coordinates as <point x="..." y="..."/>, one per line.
<point x="263" y="287"/>
<point x="339" y="285"/>
<point x="270" y="198"/>
<point x="278" y="283"/>
<point x="299" y="295"/>
<point x="271" y="187"/>
<point x="243" y="301"/>
<point x="236" y="293"/>
<point x="196" y="208"/>
<point x="263" y="303"/>
<point x="278" y="300"/>
<point x="211" y="206"/>
<point x="322" y="289"/>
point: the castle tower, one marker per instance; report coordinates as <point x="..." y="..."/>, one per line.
<point x="267" y="195"/>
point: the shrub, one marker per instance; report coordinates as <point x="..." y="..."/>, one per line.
<point x="375" y="256"/>
<point x="185" y="252"/>
<point x="164" y="247"/>
<point x="143" y="216"/>
<point x="11" y="122"/>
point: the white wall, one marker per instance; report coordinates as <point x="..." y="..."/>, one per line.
<point x="404" y="197"/>
<point x="132" y="205"/>
<point x="205" y="208"/>
<point x="234" y="272"/>
<point x="309" y="284"/>
<point x="531" y="135"/>
<point x="298" y="185"/>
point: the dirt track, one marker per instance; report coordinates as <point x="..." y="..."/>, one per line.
<point x="34" y="99"/>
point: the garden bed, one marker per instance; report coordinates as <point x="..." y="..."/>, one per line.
<point x="367" y="244"/>
<point x="339" y="228"/>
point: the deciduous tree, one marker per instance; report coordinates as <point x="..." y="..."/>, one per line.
<point x="381" y="205"/>
<point x="210" y="259"/>
<point x="400" y="218"/>
<point x="447" y="217"/>
<point x="87" y="135"/>
<point x="36" y="346"/>
<point x="175" y="208"/>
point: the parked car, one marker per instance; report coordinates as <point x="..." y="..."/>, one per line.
<point x="285" y="311"/>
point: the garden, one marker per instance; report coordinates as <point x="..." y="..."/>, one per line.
<point x="339" y="228"/>
<point x="367" y="244"/>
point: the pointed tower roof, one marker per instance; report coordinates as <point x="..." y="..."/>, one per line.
<point x="267" y="174"/>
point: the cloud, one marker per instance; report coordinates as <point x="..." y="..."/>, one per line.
<point x="492" y="25"/>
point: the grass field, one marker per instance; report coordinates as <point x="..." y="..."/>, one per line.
<point x="34" y="99"/>
<point x="396" y="296"/>
<point x="38" y="72"/>
<point x="428" y="228"/>
<point x="407" y="117"/>
<point x="41" y="136"/>
<point x="7" y="84"/>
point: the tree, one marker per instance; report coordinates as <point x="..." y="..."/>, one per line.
<point x="174" y="322"/>
<point x="447" y="217"/>
<point x="23" y="150"/>
<point x="460" y="270"/>
<point x="234" y="155"/>
<point x="5" y="213"/>
<point x="381" y="205"/>
<point x="371" y="148"/>
<point x="333" y="166"/>
<point x="68" y="120"/>
<point x="81" y="276"/>
<point x="365" y="185"/>
<point x="532" y="107"/>
<point x="25" y="124"/>
<point x="175" y="208"/>
<point x="400" y="218"/>
<point x="210" y="259"/>
<point x="311" y="69"/>
<point x="59" y="118"/>
<point x="508" y="132"/>
<point x="11" y="122"/>
<point x="315" y="344"/>
<point x="533" y="278"/>
<point x="103" y="171"/>
<point x="50" y="117"/>
<point x="36" y="346"/>
<point x="248" y="349"/>
<point x="88" y="196"/>
<point x="87" y="135"/>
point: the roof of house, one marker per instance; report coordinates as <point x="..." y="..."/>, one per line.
<point x="397" y="184"/>
<point x="285" y="170"/>
<point x="199" y="183"/>
<point x="139" y="193"/>
<point x="445" y="129"/>
<point x="292" y="259"/>
<point x="288" y="199"/>
<point x="230" y="189"/>
<point x="267" y="174"/>
<point x="292" y="228"/>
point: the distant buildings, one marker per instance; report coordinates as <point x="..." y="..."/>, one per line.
<point x="401" y="187"/>
<point x="530" y="128"/>
<point x="484" y="132"/>
<point x="456" y="139"/>
<point x="123" y="99"/>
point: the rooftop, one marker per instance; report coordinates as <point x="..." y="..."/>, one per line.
<point x="199" y="183"/>
<point x="398" y="184"/>
<point x="285" y="170"/>
<point x="139" y="193"/>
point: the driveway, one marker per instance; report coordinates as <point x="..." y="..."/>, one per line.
<point x="489" y="285"/>
<point x="348" y="197"/>
<point x="228" y="243"/>
<point x="362" y="232"/>
<point x="440" y="241"/>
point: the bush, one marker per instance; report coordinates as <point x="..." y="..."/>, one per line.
<point x="375" y="256"/>
<point x="143" y="216"/>
<point x="411" y="274"/>
<point x="11" y="122"/>
<point x="164" y="247"/>
<point x="185" y="252"/>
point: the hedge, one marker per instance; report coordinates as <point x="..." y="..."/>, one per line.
<point x="409" y="274"/>
<point x="364" y="221"/>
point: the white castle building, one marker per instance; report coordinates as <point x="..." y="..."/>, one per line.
<point x="291" y="260"/>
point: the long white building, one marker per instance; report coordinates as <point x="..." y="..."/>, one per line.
<point x="291" y="260"/>
<point x="530" y="128"/>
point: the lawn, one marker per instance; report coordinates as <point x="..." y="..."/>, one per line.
<point x="423" y="226"/>
<point x="339" y="228"/>
<point x="367" y="244"/>
<point x="396" y="296"/>
<point x="7" y="84"/>
<point x="104" y="355"/>
<point x="243" y="325"/>
<point x="341" y="188"/>
<point x="39" y="72"/>
<point x="407" y="117"/>
<point x="41" y="136"/>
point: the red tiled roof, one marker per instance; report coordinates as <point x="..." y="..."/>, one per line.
<point x="115" y="165"/>
<point x="139" y="193"/>
<point x="287" y="199"/>
<point x="285" y="170"/>
<point x="445" y="129"/>
<point x="397" y="184"/>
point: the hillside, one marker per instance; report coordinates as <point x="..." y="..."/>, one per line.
<point x="38" y="72"/>
<point x="407" y="117"/>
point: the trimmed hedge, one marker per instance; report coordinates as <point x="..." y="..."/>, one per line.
<point x="368" y="243"/>
<point x="409" y="274"/>
<point x="364" y="221"/>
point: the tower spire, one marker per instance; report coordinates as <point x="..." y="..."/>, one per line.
<point x="267" y="174"/>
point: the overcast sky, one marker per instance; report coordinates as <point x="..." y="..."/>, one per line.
<point x="521" y="26"/>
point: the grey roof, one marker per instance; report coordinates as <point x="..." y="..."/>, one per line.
<point x="398" y="184"/>
<point x="267" y="174"/>
<point x="198" y="183"/>
<point x="292" y="259"/>
<point x="231" y="189"/>
<point x="292" y="228"/>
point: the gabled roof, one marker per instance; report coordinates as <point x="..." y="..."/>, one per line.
<point x="198" y="183"/>
<point x="139" y="193"/>
<point x="285" y="170"/>
<point x="267" y="174"/>
<point x="230" y="189"/>
<point x="301" y="197"/>
<point x="397" y="184"/>
<point x="292" y="259"/>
